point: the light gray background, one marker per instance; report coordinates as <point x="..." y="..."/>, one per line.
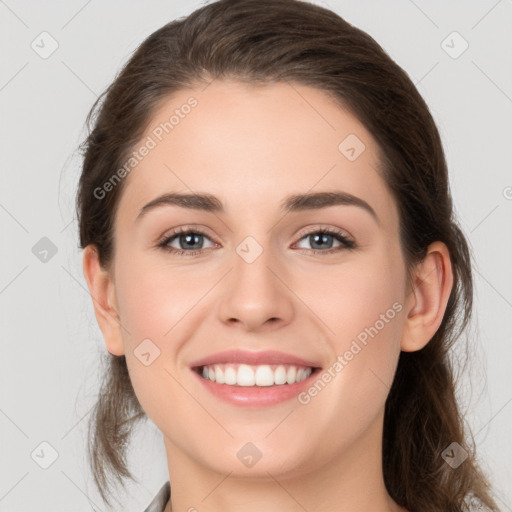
<point x="49" y="338"/>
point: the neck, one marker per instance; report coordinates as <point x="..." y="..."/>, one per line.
<point x="351" y="481"/>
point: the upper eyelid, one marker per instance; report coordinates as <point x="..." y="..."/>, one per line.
<point x="323" y="227"/>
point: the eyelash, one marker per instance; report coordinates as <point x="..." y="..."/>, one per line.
<point x="346" y="243"/>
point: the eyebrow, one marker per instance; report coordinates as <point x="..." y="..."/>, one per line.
<point x="292" y="203"/>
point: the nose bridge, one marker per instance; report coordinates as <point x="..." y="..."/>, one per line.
<point x="251" y="272"/>
<point x="253" y="293"/>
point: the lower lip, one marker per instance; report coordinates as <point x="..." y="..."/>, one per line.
<point x="256" y="396"/>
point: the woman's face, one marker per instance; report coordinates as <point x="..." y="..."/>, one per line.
<point x="256" y="275"/>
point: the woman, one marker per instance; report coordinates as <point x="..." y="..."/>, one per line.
<point x="276" y="269"/>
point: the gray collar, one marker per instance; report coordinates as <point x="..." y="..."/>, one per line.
<point x="160" y="500"/>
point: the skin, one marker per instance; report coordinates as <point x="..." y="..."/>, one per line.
<point x="251" y="147"/>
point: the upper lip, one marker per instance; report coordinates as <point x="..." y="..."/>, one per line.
<point x="253" y="358"/>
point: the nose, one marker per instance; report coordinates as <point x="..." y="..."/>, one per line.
<point x="255" y="295"/>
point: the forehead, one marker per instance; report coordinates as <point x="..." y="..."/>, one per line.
<point x="253" y="145"/>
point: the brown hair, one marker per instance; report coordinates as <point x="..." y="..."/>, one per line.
<point x="265" y="41"/>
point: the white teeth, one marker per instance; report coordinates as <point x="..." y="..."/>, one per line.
<point x="219" y="375"/>
<point x="258" y="375"/>
<point x="264" y="376"/>
<point x="230" y="375"/>
<point x="280" y="375"/>
<point x="291" y="374"/>
<point x="245" y="376"/>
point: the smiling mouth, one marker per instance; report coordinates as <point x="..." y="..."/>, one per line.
<point x="263" y="375"/>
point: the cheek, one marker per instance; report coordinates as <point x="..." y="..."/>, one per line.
<point x="153" y="300"/>
<point x="352" y="297"/>
<point x="153" y="304"/>
<point x="159" y="307"/>
<point x="362" y="306"/>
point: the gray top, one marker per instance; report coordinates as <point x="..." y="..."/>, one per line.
<point x="160" y="500"/>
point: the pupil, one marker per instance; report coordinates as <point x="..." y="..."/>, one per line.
<point x="320" y="236"/>
<point x="191" y="239"/>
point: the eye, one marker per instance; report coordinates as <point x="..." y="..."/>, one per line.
<point x="189" y="242"/>
<point x="322" y="241"/>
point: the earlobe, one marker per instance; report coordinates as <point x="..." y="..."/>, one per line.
<point x="428" y="298"/>
<point x="102" y="291"/>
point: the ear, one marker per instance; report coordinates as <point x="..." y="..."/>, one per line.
<point x="102" y="290"/>
<point x="427" y="298"/>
